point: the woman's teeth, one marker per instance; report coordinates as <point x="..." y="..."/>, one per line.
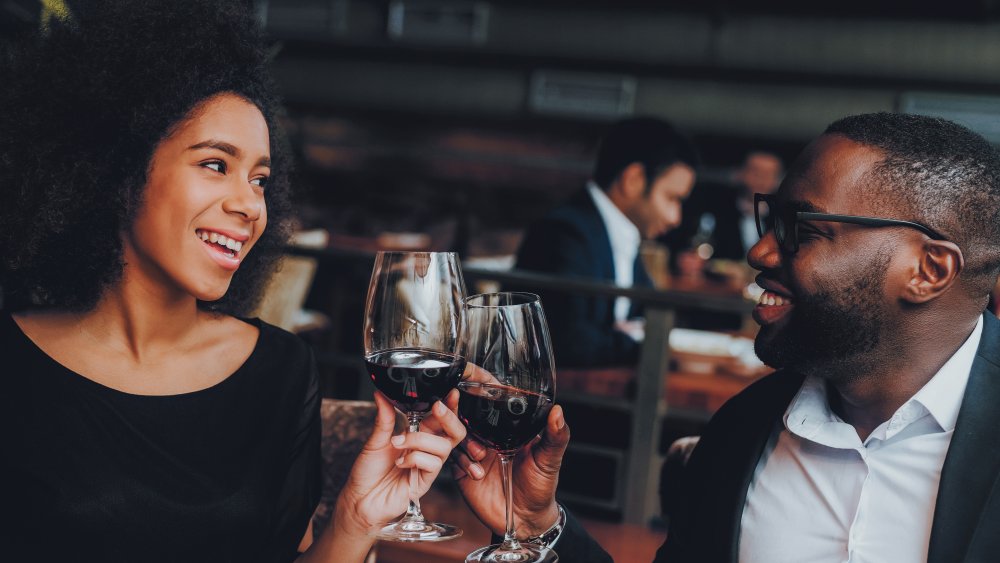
<point x="773" y="299"/>
<point x="221" y="240"/>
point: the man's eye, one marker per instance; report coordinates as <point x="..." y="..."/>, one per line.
<point x="216" y="165"/>
<point x="809" y="233"/>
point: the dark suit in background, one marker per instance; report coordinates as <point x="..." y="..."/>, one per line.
<point x="572" y="241"/>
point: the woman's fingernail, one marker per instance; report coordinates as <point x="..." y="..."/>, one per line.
<point x="399" y="461"/>
<point x="439" y="408"/>
<point x="477" y="471"/>
<point x="560" y="421"/>
<point x="398" y="440"/>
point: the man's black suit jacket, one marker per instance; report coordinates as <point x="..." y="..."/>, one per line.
<point x="572" y="240"/>
<point x="966" y="528"/>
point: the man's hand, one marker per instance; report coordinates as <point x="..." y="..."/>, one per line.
<point x="536" y="474"/>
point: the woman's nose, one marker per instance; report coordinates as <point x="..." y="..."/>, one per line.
<point x="245" y="201"/>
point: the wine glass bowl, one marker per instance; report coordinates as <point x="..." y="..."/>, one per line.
<point x="506" y="395"/>
<point x="413" y="320"/>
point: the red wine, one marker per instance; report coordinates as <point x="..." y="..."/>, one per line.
<point x="413" y="378"/>
<point x="504" y="418"/>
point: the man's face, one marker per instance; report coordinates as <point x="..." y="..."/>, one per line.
<point x="826" y="305"/>
<point x="658" y="209"/>
<point x="761" y="173"/>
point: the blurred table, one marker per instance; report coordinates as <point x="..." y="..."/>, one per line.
<point x="624" y="542"/>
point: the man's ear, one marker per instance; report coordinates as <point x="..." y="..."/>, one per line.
<point x="632" y="181"/>
<point x="937" y="269"/>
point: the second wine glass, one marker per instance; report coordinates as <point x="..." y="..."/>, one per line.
<point x="507" y="393"/>
<point x="413" y="319"/>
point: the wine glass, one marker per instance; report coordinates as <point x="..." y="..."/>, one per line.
<point x="508" y="390"/>
<point x="413" y="319"/>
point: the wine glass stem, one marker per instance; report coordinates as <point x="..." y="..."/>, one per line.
<point x="413" y="513"/>
<point x="507" y="468"/>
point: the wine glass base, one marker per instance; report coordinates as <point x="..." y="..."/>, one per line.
<point x="526" y="553"/>
<point x="404" y="531"/>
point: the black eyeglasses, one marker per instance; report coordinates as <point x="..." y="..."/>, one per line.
<point x="772" y="216"/>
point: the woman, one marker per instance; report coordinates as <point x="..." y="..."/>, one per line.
<point x="142" y="418"/>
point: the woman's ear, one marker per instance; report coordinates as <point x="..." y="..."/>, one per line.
<point x="937" y="269"/>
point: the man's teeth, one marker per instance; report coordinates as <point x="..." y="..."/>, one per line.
<point x="773" y="299"/>
<point x="221" y="240"/>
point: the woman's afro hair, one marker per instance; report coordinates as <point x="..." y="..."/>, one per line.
<point x="85" y="102"/>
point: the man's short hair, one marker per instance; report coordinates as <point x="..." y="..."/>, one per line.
<point x="940" y="174"/>
<point x="651" y="142"/>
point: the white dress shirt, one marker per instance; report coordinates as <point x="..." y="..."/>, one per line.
<point x="820" y="494"/>
<point x="625" y="239"/>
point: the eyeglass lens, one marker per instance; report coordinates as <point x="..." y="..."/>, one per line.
<point x="768" y="220"/>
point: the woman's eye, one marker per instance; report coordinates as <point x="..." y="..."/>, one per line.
<point x="216" y="165"/>
<point x="261" y="181"/>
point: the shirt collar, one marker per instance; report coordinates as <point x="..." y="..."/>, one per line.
<point x="942" y="395"/>
<point x="809" y="414"/>
<point x="622" y="231"/>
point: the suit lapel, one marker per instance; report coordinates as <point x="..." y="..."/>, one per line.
<point x="597" y="228"/>
<point x="973" y="462"/>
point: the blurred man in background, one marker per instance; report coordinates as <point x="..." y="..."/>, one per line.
<point x="719" y="222"/>
<point x="644" y="170"/>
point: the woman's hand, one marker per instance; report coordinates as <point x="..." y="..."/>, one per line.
<point x="380" y="487"/>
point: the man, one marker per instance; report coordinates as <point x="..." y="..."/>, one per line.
<point x="644" y="170"/>
<point x="722" y="214"/>
<point x="876" y="440"/>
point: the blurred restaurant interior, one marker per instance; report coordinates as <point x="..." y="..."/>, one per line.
<point x="451" y="125"/>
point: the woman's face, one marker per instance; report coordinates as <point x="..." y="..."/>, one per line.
<point x="203" y="205"/>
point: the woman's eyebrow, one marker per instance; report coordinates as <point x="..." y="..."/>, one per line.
<point x="229" y="149"/>
<point x="223" y="146"/>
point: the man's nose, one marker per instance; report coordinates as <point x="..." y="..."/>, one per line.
<point x="765" y="254"/>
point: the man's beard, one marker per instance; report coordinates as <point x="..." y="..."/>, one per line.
<point x="831" y="330"/>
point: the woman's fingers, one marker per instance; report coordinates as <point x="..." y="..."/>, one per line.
<point x="450" y="423"/>
<point x="420" y="460"/>
<point x="439" y="446"/>
<point x="385" y="422"/>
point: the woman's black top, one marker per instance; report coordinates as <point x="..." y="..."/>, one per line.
<point x="88" y="473"/>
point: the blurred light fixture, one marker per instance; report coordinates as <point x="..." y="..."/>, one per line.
<point x="582" y="94"/>
<point x="440" y="22"/>
<point x="303" y="18"/>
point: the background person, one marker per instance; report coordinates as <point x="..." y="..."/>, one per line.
<point x="721" y="215"/>
<point x="644" y="170"/>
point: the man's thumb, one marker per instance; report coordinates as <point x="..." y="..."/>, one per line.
<point x="550" y="449"/>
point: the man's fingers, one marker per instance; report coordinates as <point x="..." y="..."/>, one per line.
<point x="463" y="466"/>
<point x="451" y="401"/>
<point x="548" y="452"/>
<point x="475" y="450"/>
<point x="478" y="374"/>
